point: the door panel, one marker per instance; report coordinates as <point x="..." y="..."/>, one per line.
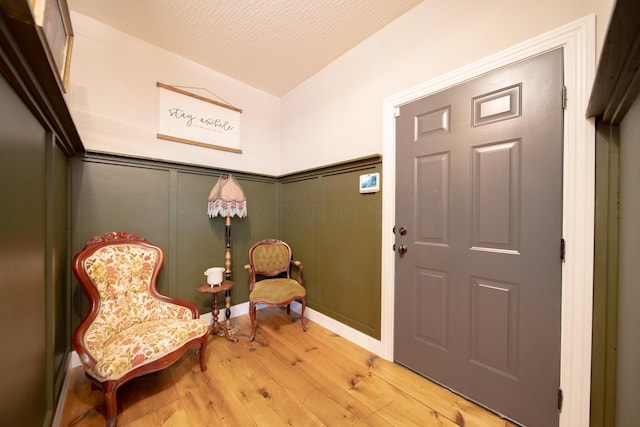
<point x="479" y="190"/>
<point x="495" y="195"/>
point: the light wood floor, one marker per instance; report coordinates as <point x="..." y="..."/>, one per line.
<point x="285" y="377"/>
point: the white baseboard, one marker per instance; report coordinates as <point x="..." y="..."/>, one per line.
<point x="347" y="332"/>
<point x="72" y="362"/>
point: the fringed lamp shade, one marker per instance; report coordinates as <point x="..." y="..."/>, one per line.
<point x="227" y="199"/>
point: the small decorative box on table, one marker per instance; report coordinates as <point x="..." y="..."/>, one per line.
<point x="205" y="288"/>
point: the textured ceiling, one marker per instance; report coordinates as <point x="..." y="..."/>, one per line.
<point x="272" y="45"/>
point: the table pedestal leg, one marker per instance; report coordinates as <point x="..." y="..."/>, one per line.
<point x="217" y="326"/>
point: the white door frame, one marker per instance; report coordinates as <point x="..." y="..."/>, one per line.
<point x="578" y="41"/>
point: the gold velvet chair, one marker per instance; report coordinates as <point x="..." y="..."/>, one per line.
<point x="130" y="329"/>
<point x="270" y="281"/>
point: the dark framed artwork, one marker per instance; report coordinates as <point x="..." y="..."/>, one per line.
<point x="52" y="16"/>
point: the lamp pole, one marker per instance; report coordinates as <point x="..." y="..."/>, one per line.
<point x="227" y="266"/>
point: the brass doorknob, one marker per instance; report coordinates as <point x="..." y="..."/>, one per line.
<point x="402" y="249"/>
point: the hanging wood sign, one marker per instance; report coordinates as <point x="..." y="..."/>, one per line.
<point x="193" y="119"/>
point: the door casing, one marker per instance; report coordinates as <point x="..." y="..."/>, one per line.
<point x="578" y="41"/>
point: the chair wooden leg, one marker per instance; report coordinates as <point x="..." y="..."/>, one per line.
<point x="304" y="305"/>
<point x="252" y="315"/>
<point x="203" y="348"/>
<point x="110" y="402"/>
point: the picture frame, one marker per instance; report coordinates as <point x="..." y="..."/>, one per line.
<point x="53" y="19"/>
<point x="370" y="183"/>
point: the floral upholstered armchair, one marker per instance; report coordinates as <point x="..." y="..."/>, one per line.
<point x="130" y="329"/>
<point x="270" y="281"/>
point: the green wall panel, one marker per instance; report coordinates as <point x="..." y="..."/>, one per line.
<point x="332" y="228"/>
<point x="200" y="240"/>
<point x="58" y="265"/>
<point x="24" y="358"/>
<point x="351" y="253"/>
<point x="167" y="204"/>
<point x="335" y="232"/>
<point x="120" y="197"/>
<point x="302" y="229"/>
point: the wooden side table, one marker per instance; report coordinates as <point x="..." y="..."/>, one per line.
<point x="205" y="288"/>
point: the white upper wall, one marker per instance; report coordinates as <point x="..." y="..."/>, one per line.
<point x="334" y="116"/>
<point x="337" y="113"/>
<point x="113" y="99"/>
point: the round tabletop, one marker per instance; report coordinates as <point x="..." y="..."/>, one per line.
<point x="207" y="288"/>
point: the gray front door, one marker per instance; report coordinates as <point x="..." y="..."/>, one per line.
<point x="478" y="237"/>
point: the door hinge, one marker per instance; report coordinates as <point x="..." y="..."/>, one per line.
<point x="563" y="101"/>
<point x="396" y="112"/>
<point x="560" y="399"/>
<point x="563" y="249"/>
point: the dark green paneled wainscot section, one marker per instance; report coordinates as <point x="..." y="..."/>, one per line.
<point x="333" y="229"/>
<point x="33" y="265"/>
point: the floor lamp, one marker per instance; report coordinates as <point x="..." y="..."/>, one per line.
<point x="227" y="200"/>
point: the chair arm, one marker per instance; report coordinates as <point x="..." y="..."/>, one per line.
<point x="299" y="265"/>
<point x="252" y="276"/>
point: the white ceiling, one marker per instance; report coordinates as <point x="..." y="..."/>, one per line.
<point x="272" y="45"/>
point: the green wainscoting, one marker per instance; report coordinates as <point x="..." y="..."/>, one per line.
<point x="336" y="232"/>
<point x="23" y="279"/>
<point x="33" y="265"/>
<point x="57" y="267"/>
<point x="333" y="229"/>
<point x="605" y="276"/>
<point x="166" y="204"/>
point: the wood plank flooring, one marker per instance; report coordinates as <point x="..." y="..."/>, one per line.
<point x="286" y="377"/>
